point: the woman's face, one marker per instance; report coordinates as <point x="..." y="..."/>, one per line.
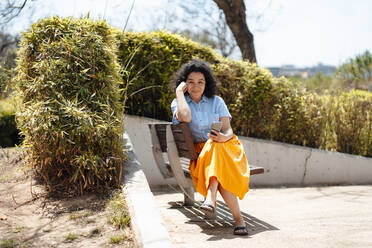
<point x="195" y="85"/>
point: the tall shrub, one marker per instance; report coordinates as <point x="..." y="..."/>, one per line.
<point x="319" y="132"/>
<point x="71" y="116"/>
<point x="353" y="123"/>
<point x="262" y="106"/>
<point x="247" y="91"/>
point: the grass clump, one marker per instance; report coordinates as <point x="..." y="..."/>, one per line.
<point x="70" y="237"/>
<point x="71" y="115"/>
<point x="117" y="239"/>
<point x="8" y="243"/>
<point x="119" y="216"/>
<point x="18" y="229"/>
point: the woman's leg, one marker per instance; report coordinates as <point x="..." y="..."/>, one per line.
<point x="233" y="204"/>
<point x="212" y="191"/>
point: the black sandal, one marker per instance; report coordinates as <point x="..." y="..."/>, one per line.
<point x="241" y="230"/>
<point x="209" y="210"/>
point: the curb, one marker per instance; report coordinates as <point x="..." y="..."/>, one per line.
<point x="147" y="223"/>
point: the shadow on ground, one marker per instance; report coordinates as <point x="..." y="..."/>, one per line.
<point x="217" y="228"/>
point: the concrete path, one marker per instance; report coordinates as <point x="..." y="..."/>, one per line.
<point x="277" y="217"/>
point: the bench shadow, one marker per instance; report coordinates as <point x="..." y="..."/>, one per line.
<point x="222" y="227"/>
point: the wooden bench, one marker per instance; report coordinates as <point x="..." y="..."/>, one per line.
<point x="173" y="149"/>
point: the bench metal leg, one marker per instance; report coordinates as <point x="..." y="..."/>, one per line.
<point x="189" y="196"/>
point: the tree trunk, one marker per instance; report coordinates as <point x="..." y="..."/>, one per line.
<point x="236" y="19"/>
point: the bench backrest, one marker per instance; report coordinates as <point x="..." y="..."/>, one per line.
<point x="182" y="137"/>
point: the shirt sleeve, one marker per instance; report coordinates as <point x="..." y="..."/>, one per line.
<point x="222" y="108"/>
<point x="174" y="110"/>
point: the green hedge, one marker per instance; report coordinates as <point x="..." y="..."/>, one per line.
<point x="9" y="134"/>
<point x="261" y="106"/>
<point x="352" y="122"/>
<point x="71" y="116"/>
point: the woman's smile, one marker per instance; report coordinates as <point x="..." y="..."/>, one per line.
<point x="195" y="85"/>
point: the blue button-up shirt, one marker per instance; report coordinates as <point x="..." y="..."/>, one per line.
<point x="203" y="114"/>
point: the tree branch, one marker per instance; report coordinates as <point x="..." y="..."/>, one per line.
<point x="236" y="20"/>
<point x="11" y="10"/>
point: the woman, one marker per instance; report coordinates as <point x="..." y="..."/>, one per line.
<point x="221" y="164"/>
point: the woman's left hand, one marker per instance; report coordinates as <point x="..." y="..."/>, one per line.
<point x="218" y="136"/>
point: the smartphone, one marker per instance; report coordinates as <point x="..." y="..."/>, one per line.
<point x="216" y="126"/>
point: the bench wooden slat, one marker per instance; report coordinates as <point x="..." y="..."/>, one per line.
<point x="181" y="144"/>
<point x="175" y="161"/>
<point x="157" y="152"/>
<point x="160" y="131"/>
<point x="256" y="170"/>
<point x="178" y="136"/>
<point x="188" y="142"/>
<point x="184" y="153"/>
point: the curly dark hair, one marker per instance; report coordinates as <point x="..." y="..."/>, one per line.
<point x="196" y="65"/>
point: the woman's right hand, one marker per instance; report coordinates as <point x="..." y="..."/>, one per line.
<point x="182" y="87"/>
<point x="183" y="113"/>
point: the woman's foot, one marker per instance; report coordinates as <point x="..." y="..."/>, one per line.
<point x="209" y="205"/>
<point x="240" y="228"/>
<point x="209" y="210"/>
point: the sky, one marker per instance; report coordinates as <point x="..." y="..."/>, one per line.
<point x="296" y="32"/>
<point x="308" y="32"/>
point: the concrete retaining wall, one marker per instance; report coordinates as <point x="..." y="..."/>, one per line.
<point x="139" y="134"/>
<point x="284" y="164"/>
<point x="287" y="164"/>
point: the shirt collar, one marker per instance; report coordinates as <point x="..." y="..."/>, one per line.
<point x="204" y="99"/>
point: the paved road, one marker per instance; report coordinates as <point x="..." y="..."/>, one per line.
<point x="277" y="217"/>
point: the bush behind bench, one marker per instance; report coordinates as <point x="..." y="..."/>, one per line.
<point x="261" y="106"/>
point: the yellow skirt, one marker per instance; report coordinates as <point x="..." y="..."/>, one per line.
<point x="225" y="161"/>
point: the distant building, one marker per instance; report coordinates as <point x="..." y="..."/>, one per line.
<point x="320" y="68"/>
<point x="293" y="71"/>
